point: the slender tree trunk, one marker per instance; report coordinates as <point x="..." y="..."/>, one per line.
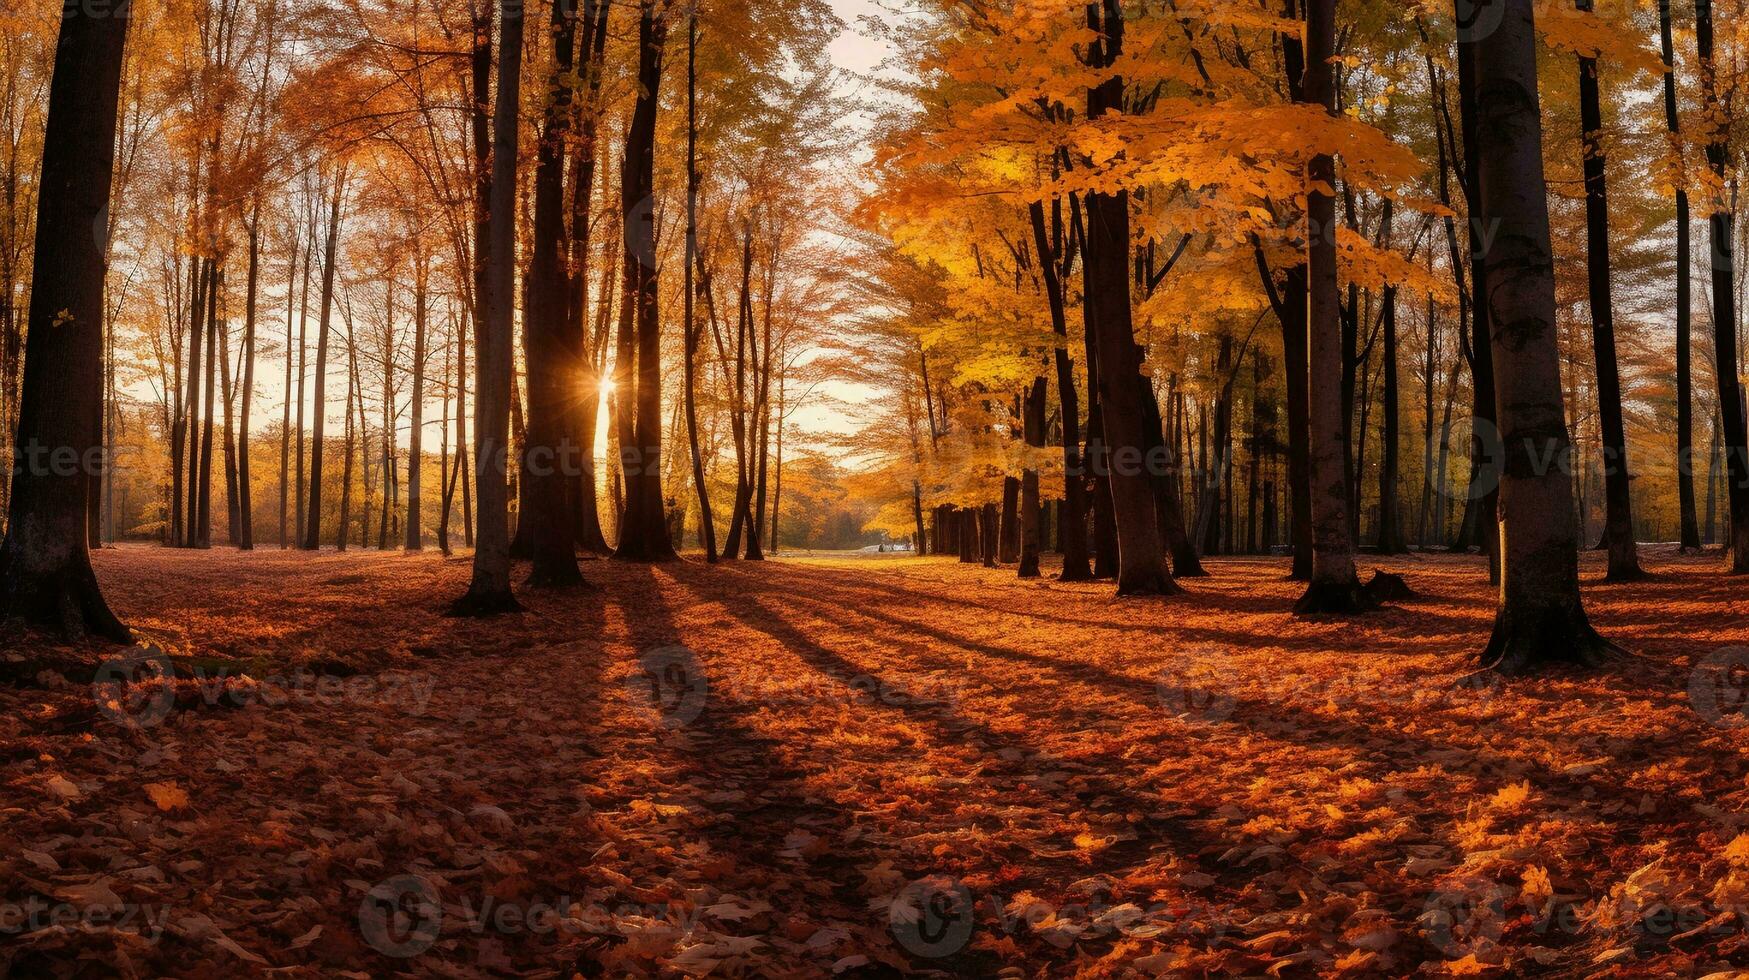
<point x="416" y="408"/>
<point x="706" y="520"/>
<point x="489" y="593"/>
<point x="1033" y="422"/>
<point x="1541" y="618"/>
<point x="1334" y="588"/>
<point x="45" y="563"/>
<point x="215" y="275"/>
<point x="1390" y="516"/>
<point x="1624" y="562"/>
<point x="245" y="532"/>
<point x="319" y="409"/>
<point x="1684" y="301"/>
<point x="197" y="338"/>
<point x="1072" y="522"/>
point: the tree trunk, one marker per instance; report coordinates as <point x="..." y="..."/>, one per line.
<point x="1072" y="522"/>
<point x="550" y="353"/>
<point x="706" y="520"/>
<point x="1334" y="588"/>
<point x="1483" y="490"/>
<point x="1141" y="559"/>
<point x="245" y="532"/>
<point x="489" y="593"/>
<point x="644" y="529"/>
<point x="1390" y="517"/>
<point x="45" y="563"/>
<point x="1541" y="618"/>
<point x="1033" y="423"/>
<point x="1624" y="562"/>
<point x="319" y="411"/>
<point x="415" y="540"/>
<point x="1722" y="227"/>
<point x="1684" y="302"/>
<point x="204" y="538"/>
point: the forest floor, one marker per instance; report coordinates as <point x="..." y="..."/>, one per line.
<point x="864" y="767"/>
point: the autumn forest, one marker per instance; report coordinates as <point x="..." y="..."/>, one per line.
<point x="682" y="488"/>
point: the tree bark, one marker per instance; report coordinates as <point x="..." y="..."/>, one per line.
<point x="1072" y="522"/>
<point x="1624" y="562"/>
<point x="489" y="593"/>
<point x="706" y="520"/>
<point x="1141" y="558"/>
<point x="1722" y="228"/>
<point x="644" y="529"/>
<point x="553" y="368"/>
<point x="319" y="411"/>
<point x="45" y="563"/>
<point x="1541" y="617"/>
<point x="1690" y="532"/>
<point x="1335" y="588"/>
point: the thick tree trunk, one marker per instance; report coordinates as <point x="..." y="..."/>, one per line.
<point x="1141" y="559"/>
<point x="1624" y="562"/>
<point x="1483" y="490"/>
<point x="1541" y="618"/>
<point x="585" y="511"/>
<point x="1722" y="227"/>
<point x="1335" y="588"/>
<point x="489" y="593"/>
<point x="1008" y="534"/>
<point x="553" y="369"/>
<point x="644" y="530"/>
<point x="1684" y="302"/>
<point x="45" y="563"/>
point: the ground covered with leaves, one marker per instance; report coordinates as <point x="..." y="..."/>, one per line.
<point x="867" y="767"/>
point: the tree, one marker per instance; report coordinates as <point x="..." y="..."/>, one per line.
<point x="1141" y="556"/>
<point x="552" y="367"/>
<point x="1624" y="562"/>
<point x="489" y="594"/>
<point x="45" y="567"/>
<point x="1541" y="618"/>
<point x="644" y="528"/>
<point x="1689" y="525"/>
<point x="325" y="321"/>
<point x="1335" y="588"/>
<point x="1721" y="227"/>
